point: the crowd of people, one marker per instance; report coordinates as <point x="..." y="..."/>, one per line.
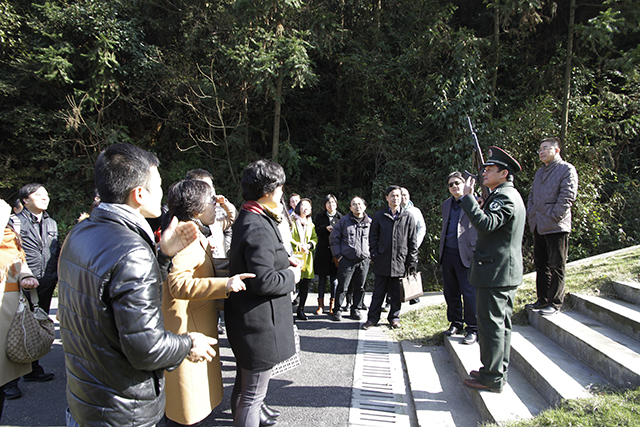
<point x="141" y="285"/>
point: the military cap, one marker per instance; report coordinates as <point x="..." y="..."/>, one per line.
<point x="499" y="157"/>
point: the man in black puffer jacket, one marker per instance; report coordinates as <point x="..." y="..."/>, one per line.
<point x="111" y="323"/>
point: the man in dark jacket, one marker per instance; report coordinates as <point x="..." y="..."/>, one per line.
<point x="116" y="347"/>
<point x="393" y="245"/>
<point x="350" y="248"/>
<point x="39" y="234"/>
<point x="496" y="270"/>
<point x="457" y="243"/>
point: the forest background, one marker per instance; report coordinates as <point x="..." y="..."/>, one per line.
<point x="348" y="95"/>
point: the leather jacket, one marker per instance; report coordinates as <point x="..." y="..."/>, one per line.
<point x="115" y="344"/>
<point x="42" y="253"/>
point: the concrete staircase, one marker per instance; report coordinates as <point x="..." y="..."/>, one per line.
<point x="562" y="356"/>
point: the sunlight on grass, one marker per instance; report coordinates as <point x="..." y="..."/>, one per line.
<point x="606" y="409"/>
<point x="594" y="277"/>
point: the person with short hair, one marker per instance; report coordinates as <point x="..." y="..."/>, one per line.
<point x="393" y="246"/>
<point x="457" y="243"/>
<point x="496" y="270"/>
<point x="194" y="389"/>
<point x="39" y="237"/>
<point x="553" y="192"/>
<point x="221" y="231"/>
<point x="350" y="248"/>
<point x="110" y="283"/>
<point x="259" y="321"/>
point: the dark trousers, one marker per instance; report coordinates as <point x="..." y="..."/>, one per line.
<point x="550" y="253"/>
<point x="457" y="287"/>
<point x="249" y="391"/>
<point x="303" y="285"/>
<point x="494" y="307"/>
<point x="351" y="274"/>
<point x="383" y="286"/>
<point x="322" y="281"/>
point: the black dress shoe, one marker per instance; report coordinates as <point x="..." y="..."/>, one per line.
<point x="337" y="316"/>
<point x="12" y="392"/>
<point x="452" y="330"/>
<point x="536" y="305"/>
<point x="368" y="324"/>
<point x="300" y="315"/>
<point x="273" y="413"/>
<point x="266" y="420"/>
<point x="39" y="377"/>
<point x="355" y="315"/>
<point x="470" y="338"/>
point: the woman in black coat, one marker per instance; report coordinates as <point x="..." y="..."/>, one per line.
<point x="323" y="264"/>
<point x="259" y="322"/>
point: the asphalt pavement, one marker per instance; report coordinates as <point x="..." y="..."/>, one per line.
<point x="320" y="392"/>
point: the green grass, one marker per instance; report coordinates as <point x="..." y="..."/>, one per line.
<point x="607" y="407"/>
<point x="604" y="409"/>
<point x="595" y="277"/>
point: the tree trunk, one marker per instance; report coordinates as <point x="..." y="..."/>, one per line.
<point x="567" y="74"/>
<point x="496" y="58"/>
<point x="276" y="118"/>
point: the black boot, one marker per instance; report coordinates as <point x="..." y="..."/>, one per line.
<point x="266" y="420"/>
<point x="273" y="413"/>
<point x="300" y="314"/>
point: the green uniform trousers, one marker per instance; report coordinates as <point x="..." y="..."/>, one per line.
<point x="494" y="307"/>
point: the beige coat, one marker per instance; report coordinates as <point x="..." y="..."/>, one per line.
<point x="193" y="389"/>
<point x="8" y="305"/>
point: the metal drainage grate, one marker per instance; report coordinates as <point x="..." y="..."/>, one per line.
<point x="379" y="396"/>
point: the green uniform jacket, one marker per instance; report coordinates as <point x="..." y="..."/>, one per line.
<point x="497" y="260"/>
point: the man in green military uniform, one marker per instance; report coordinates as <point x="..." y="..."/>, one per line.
<point x="496" y="270"/>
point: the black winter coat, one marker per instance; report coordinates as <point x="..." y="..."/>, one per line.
<point x="116" y="348"/>
<point x="393" y="244"/>
<point x="323" y="262"/>
<point x="41" y="253"/>
<point x="259" y="321"/>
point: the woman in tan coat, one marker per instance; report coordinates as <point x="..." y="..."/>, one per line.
<point x="188" y="305"/>
<point x="14" y="273"/>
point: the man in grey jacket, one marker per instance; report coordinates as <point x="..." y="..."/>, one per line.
<point x="350" y="249"/>
<point x="553" y="192"/>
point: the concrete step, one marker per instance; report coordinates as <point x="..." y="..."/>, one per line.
<point x="620" y="315"/>
<point x="553" y="372"/>
<point x="612" y="354"/>
<point x="628" y="291"/>
<point x="518" y="400"/>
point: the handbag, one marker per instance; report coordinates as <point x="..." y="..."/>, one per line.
<point x="293" y="361"/>
<point x="31" y="333"/>
<point x="410" y="286"/>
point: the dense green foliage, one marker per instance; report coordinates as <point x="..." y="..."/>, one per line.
<point x="371" y="93"/>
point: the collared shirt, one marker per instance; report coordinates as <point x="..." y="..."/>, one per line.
<point x="451" y="238"/>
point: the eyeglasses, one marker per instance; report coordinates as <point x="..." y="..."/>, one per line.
<point x="454" y="184"/>
<point x="544" y="149"/>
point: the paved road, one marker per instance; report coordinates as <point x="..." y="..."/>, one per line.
<point x="316" y="393"/>
<point x="347" y="376"/>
